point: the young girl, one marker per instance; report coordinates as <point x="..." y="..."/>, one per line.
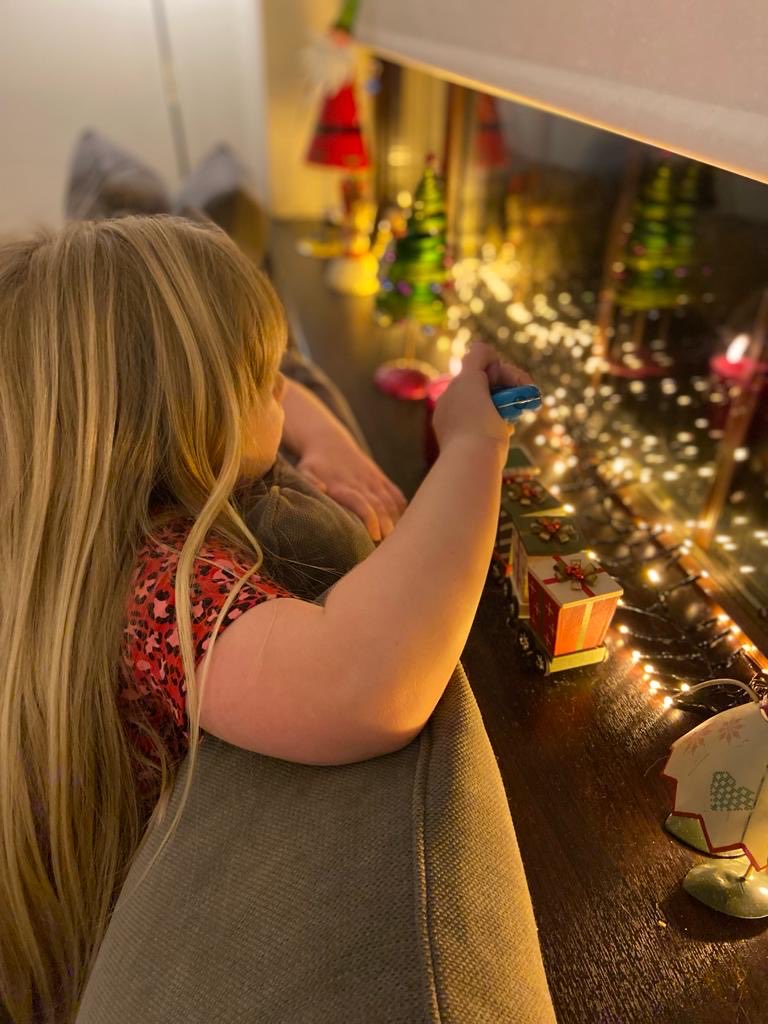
<point x="139" y="385"/>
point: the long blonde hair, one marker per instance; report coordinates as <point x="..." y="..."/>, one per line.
<point x="132" y="354"/>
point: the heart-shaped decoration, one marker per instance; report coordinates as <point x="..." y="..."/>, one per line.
<point x="726" y="795"/>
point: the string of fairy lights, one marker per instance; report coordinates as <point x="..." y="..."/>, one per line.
<point x="606" y="441"/>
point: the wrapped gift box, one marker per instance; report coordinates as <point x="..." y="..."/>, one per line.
<point x="529" y="498"/>
<point x="522" y="498"/>
<point x="541" y="537"/>
<point x="572" y="601"/>
<point x="520" y="466"/>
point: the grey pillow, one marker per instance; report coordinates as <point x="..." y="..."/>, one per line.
<point x="106" y="181"/>
<point x="309" y="540"/>
<point x="220" y="187"/>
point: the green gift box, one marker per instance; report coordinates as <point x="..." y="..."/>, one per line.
<point x="521" y="499"/>
<point x="538" y="537"/>
<point x="529" y="498"/>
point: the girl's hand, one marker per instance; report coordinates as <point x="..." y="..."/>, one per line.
<point x="465" y="408"/>
<point x="339" y="468"/>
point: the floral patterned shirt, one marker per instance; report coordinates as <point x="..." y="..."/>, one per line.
<point x="151" y="674"/>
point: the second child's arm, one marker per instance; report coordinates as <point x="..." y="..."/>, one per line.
<point x="360" y="676"/>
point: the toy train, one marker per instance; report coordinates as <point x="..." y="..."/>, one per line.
<point x="561" y="601"/>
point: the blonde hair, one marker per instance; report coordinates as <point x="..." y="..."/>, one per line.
<point x="133" y="353"/>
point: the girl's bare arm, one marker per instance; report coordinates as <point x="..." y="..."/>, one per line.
<point x="360" y="676"/>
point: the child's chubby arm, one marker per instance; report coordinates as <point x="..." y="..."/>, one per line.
<point x="360" y="676"/>
<point x="333" y="461"/>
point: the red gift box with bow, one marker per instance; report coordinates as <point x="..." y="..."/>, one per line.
<point x="572" y="601"/>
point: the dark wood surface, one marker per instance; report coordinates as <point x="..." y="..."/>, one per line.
<point x="580" y="755"/>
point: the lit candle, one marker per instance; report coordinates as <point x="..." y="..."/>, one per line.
<point x="734" y="365"/>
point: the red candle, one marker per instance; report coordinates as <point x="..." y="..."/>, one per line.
<point x="734" y="366"/>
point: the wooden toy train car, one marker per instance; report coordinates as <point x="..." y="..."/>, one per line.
<point x="560" y="599"/>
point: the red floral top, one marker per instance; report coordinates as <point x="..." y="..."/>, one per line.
<point x="151" y="676"/>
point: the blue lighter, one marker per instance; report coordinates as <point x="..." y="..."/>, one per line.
<point x="513" y="402"/>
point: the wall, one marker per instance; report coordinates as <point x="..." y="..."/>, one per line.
<point x="94" y="64"/>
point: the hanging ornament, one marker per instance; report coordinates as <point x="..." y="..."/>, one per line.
<point x="329" y="61"/>
<point x="338" y="140"/>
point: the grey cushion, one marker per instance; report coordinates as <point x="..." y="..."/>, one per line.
<point x="106" y="181"/>
<point x="309" y="541"/>
<point x="385" y="892"/>
<point x="220" y="186"/>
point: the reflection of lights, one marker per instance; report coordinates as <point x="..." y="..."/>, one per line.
<point x="654" y="576"/>
<point x="701" y="423"/>
<point x="684" y="400"/>
<point x="741" y="454"/>
<point x="705" y="472"/>
<point x="569" y="509"/>
<point x="746" y="569"/>
<point x="404" y="198"/>
<point x="668" y="702"/>
<point x="558" y="467"/>
<point x="740" y="520"/>
<point x="685" y="687"/>
<point x="400" y="156"/>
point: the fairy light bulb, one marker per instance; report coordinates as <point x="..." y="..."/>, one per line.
<point x="654" y="575"/>
<point x="667" y="702"/>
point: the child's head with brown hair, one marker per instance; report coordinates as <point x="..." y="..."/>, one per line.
<point x="138" y="368"/>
